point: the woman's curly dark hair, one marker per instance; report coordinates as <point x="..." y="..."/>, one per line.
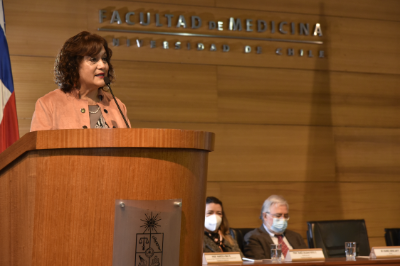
<point x="224" y="227"/>
<point x="66" y="67"/>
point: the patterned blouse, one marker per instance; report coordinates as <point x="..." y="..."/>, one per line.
<point x="96" y="117"/>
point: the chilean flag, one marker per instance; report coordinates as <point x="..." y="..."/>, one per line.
<point x="8" y="112"/>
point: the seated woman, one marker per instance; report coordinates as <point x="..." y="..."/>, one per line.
<point x="218" y="236"/>
<point x="80" y="102"/>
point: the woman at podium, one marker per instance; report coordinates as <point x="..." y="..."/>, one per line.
<point x="218" y="237"/>
<point x="80" y="101"/>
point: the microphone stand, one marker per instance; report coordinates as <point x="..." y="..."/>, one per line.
<point x="107" y="82"/>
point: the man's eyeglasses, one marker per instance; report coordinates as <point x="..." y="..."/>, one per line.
<point x="280" y="215"/>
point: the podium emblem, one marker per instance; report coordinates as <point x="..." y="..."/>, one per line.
<point x="149" y="244"/>
<point x="147" y="232"/>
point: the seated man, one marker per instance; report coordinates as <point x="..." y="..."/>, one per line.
<point x="274" y="214"/>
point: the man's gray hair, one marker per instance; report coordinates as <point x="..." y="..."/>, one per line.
<point x="273" y="199"/>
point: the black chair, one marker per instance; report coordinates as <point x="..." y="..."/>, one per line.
<point x="392" y="236"/>
<point x="331" y="236"/>
<point x="240" y="233"/>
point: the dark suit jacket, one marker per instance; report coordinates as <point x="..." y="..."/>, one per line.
<point x="210" y="246"/>
<point x="257" y="243"/>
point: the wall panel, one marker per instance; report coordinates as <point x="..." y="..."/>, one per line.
<point x="323" y="132"/>
<point x="377" y="241"/>
<point x="274" y="153"/>
<point x="205" y="93"/>
<point x="24" y="126"/>
<point x="33" y="78"/>
<point x="367" y="9"/>
<point x="40" y="27"/>
<point x="298" y="154"/>
<point x="365" y="46"/>
<point x="293" y="97"/>
<point x="176" y="2"/>
<point x="151" y="91"/>
<point x="168" y="92"/>
<point x="367" y="154"/>
<point x="347" y="47"/>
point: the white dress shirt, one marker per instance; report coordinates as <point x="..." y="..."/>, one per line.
<point x="275" y="239"/>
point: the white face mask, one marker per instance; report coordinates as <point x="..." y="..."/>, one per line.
<point x="279" y="225"/>
<point x="212" y="222"/>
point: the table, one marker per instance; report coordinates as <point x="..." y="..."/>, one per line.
<point x="328" y="261"/>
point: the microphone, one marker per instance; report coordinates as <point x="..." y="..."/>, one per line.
<point x="107" y="81"/>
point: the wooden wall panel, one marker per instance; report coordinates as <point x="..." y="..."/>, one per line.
<point x="299" y="97"/>
<point x="176" y="2"/>
<point x="347" y="47"/>
<point x="167" y="92"/>
<point x="259" y="153"/>
<point x="367" y="9"/>
<point x="204" y="93"/>
<point x="33" y="78"/>
<point x="297" y="154"/>
<point x="367" y="154"/>
<point x="322" y="132"/>
<point x="185" y="93"/>
<point x="377" y="241"/>
<point x="273" y="153"/>
<point x="40" y="27"/>
<point x="24" y="126"/>
<point x="350" y="44"/>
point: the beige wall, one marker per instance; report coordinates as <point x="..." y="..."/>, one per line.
<point x="324" y="133"/>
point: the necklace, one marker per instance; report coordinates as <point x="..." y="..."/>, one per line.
<point x="93" y="112"/>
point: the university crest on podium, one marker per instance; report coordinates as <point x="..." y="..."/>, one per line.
<point x="149" y="244"/>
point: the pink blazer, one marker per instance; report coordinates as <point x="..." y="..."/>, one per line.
<point x="59" y="110"/>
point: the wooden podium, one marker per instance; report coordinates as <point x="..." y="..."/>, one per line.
<point x="58" y="189"/>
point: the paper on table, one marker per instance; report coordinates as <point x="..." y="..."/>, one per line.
<point x="251" y="260"/>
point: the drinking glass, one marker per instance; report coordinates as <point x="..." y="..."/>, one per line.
<point x="276" y="253"/>
<point x="350" y="249"/>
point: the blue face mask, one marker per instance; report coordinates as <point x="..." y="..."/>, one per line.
<point x="279" y="225"/>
